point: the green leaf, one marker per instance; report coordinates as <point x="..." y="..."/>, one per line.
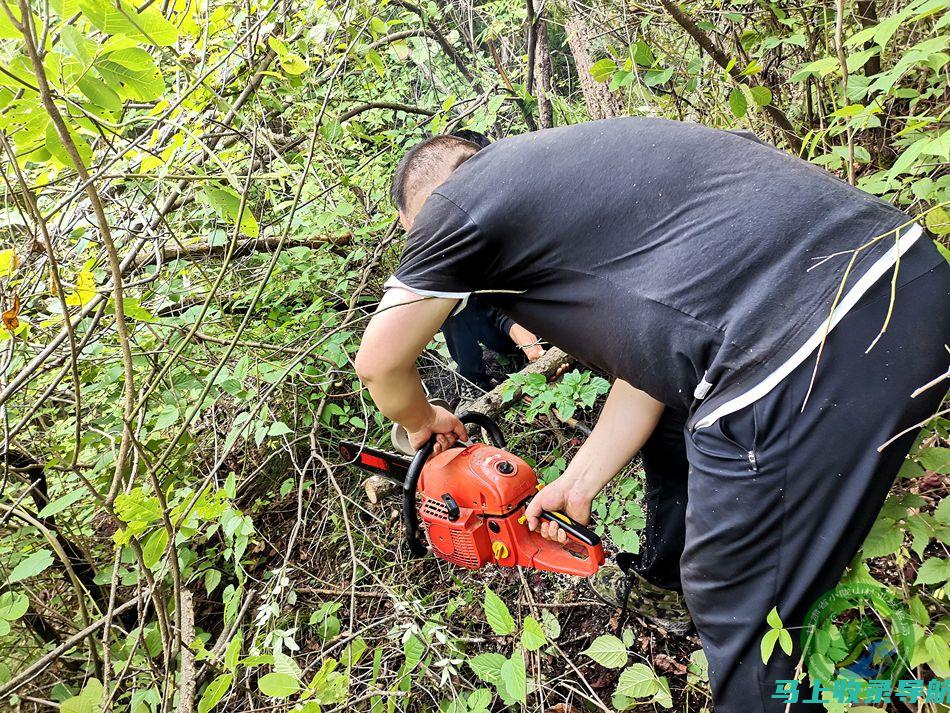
<point x="884" y="539"/>
<point x="486" y="666"/>
<point x="532" y="636"/>
<point x="499" y="618"/>
<point x="785" y="641"/>
<point x="933" y="571"/>
<point x="79" y="46"/>
<point x="655" y="77"/>
<point x="642" y="54"/>
<point x="114" y="17"/>
<point x="226" y="204"/>
<point x="215" y="692"/>
<point x="608" y="651"/>
<point x="13" y="605"/>
<point x="232" y="654"/>
<point x="133" y="309"/>
<point x="638" y="681"/>
<point x="767" y="645"/>
<point x="101" y="96"/>
<point x="773" y="619"/>
<point x="936" y="459"/>
<point x="62" y="502"/>
<point x="132" y="507"/>
<point x="293" y="64"/>
<point x="132" y="73"/>
<point x="761" y="95"/>
<point x="55" y="146"/>
<point x="938" y="223"/>
<point x="278" y="685"/>
<point x="154" y="547"/>
<point x="376" y="62"/>
<point x="550" y="625"/>
<point x="698" y="669"/>
<point x="602" y="69"/>
<point x="663" y="696"/>
<point x="31" y="566"/>
<point x="737" y="103"/>
<point x="514" y="679"/>
<point x="89" y="701"/>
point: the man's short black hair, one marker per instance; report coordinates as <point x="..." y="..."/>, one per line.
<point x="425" y="156"/>
<point x="476" y="137"/>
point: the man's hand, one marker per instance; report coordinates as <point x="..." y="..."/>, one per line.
<point x="526" y="341"/>
<point x="566" y="495"/>
<point x="628" y="419"/>
<point x="442" y="424"/>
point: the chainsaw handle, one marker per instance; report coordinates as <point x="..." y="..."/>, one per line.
<point x="491" y="428"/>
<point x="572" y="527"/>
<point x="410" y="519"/>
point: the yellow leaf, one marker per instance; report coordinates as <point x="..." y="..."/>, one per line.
<point x="8" y="262"/>
<point x="85" y="289"/>
<point x="938" y="221"/>
<point x="9" y="317"/>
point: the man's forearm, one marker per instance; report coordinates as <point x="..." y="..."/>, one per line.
<point x="626" y="422"/>
<point x="400" y="397"/>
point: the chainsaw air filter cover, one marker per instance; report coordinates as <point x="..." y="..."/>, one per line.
<point x="469" y="497"/>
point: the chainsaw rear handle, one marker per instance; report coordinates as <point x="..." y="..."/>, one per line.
<point x="572" y="527"/>
<point x="417" y="545"/>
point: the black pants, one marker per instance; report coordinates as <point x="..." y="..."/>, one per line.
<point x="466" y="332"/>
<point x="741" y="535"/>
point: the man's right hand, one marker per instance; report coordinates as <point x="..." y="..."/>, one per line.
<point x="444" y="425"/>
<point x="563" y="495"/>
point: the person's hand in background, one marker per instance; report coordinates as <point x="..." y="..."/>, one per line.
<point x="527" y="342"/>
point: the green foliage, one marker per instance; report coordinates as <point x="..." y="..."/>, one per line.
<point x="565" y="395"/>
<point x="608" y="651"/>
<point x="777" y="633"/>
<point x="207" y="126"/>
<point x="497" y="614"/>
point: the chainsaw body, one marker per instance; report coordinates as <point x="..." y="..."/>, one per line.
<point x="471" y="502"/>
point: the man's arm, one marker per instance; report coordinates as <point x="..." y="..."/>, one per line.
<point x="626" y="422"/>
<point x="403" y="325"/>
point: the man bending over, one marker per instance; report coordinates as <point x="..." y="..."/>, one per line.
<point x="700" y="268"/>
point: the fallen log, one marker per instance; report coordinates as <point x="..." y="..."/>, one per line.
<point x="553" y="361"/>
<point x="201" y="251"/>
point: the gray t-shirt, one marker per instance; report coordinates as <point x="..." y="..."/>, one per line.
<point x="658" y="251"/>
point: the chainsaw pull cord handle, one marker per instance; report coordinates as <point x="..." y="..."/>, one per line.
<point x="410" y="519"/>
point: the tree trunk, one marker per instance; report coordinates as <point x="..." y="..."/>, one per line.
<point x="601" y="104"/>
<point x="866" y="12"/>
<point x="542" y="75"/>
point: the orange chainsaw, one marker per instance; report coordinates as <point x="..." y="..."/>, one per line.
<point x="472" y="501"/>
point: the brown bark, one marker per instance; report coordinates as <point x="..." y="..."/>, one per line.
<point x="542" y="75"/>
<point x="601" y="104"/>
<point x="866" y="12"/>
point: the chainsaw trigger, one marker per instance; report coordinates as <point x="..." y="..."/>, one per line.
<point x="451" y="506"/>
